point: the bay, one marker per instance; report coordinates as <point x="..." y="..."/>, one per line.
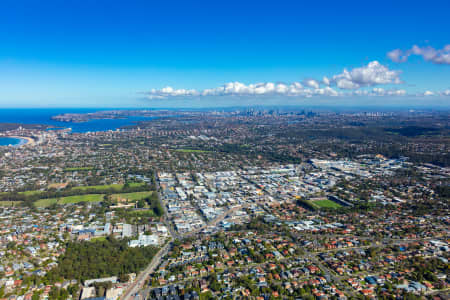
<point x="43" y="116"/>
<point x="9" y="141"/>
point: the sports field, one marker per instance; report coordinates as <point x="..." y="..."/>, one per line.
<point x="31" y="193"/>
<point x="10" y="203"/>
<point x="69" y="199"/>
<point x="78" y="169"/>
<point x="116" y="187"/>
<point x="131" y="196"/>
<point x="192" y="151"/>
<point x="325" y="203"/>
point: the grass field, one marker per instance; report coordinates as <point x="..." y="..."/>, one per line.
<point x="69" y="199"/>
<point x="45" y="202"/>
<point x="31" y="193"/>
<point x="98" y="239"/>
<point x="92" y="197"/>
<point x="135" y="216"/>
<point x="136" y="184"/>
<point x="10" y="203"/>
<point x="131" y="196"/>
<point x="78" y="169"/>
<point x="326" y="203"/>
<point x="116" y="187"/>
<point x="191" y="151"/>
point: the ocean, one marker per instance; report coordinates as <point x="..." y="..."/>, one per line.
<point x="43" y="116"/>
<point x="8" y="141"/>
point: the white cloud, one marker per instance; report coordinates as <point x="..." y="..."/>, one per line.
<point x="294" y="89"/>
<point x="396" y="92"/>
<point x="379" y="91"/>
<point x="437" y="56"/>
<point x="346" y="84"/>
<point x="362" y="81"/>
<point x="240" y="89"/>
<point x="170" y="92"/>
<point x="397" y="55"/>
<point x="382" y="92"/>
<point x="269" y="88"/>
<point x="312" y="83"/>
<point x="327" y="91"/>
<point x="372" y="74"/>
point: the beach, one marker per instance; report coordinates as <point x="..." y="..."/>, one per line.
<point x="27" y="140"/>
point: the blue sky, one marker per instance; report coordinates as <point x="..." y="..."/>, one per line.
<point x="124" y="53"/>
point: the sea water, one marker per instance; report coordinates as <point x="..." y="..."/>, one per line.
<point x="9" y="141"/>
<point x="43" y="116"/>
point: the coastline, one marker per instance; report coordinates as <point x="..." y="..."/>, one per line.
<point x="28" y="140"/>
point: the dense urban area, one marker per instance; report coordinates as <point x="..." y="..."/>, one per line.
<point x="228" y="204"/>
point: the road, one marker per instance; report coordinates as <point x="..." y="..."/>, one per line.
<point x="328" y="272"/>
<point x="214" y="222"/>
<point x="138" y="283"/>
<point x="140" y="279"/>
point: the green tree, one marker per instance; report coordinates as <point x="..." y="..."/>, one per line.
<point x="124" y="277"/>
